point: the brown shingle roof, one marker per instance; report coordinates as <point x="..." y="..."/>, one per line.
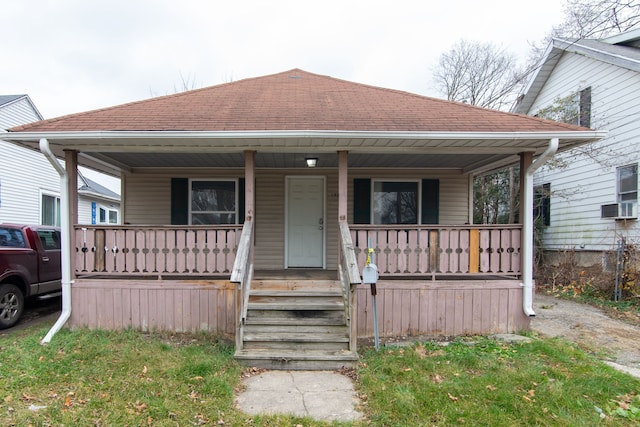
<point x="295" y="100"/>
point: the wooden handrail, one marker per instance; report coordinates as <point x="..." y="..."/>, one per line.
<point x="243" y="255"/>
<point x="242" y="274"/>
<point x="348" y="256"/>
<point x="349" y="278"/>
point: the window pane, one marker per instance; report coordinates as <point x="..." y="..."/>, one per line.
<point x="113" y="217"/>
<point x="10" y="237"/>
<point x="50" y="239"/>
<point x="57" y="212"/>
<point x="213" y="196"/>
<point x="49" y="215"/>
<point x="395" y="202"/>
<point x="213" y="218"/>
<point x="103" y="216"/>
<point x="628" y="183"/>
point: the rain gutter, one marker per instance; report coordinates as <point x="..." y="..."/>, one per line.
<point x="527" y="226"/>
<point x="285" y="134"/>
<point x="64" y="239"/>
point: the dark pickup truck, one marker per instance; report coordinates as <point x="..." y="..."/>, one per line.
<point x="29" y="267"/>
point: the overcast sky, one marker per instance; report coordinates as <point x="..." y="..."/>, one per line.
<point x="75" y="55"/>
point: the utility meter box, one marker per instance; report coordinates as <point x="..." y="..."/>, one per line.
<point x="370" y="273"/>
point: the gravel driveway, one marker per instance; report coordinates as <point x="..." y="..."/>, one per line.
<point x="590" y="328"/>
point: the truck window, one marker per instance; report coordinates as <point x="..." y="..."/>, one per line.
<point x="11" y="238"/>
<point x="50" y="239"/>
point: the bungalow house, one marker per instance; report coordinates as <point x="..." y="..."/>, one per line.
<point x="30" y="188"/>
<point x="250" y="209"/>
<point x="592" y="203"/>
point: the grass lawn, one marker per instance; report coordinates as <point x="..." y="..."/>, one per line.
<point x="98" y="378"/>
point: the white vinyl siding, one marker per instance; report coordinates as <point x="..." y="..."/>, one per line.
<point x="18" y="112"/>
<point x="20" y="196"/>
<point x="579" y="190"/>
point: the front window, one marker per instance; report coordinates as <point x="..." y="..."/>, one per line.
<point x="50" y="210"/>
<point x="214" y="202"/>
<point x="395" y="202"/>
<point x="628" y="183"/>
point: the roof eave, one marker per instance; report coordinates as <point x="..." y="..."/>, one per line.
<point x="96" y="195"/>
<point x="100" y="136"/>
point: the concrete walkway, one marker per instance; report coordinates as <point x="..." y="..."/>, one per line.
<point x="321" y="395"/>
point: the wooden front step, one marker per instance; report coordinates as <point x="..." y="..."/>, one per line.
<point x="318" y="360"/>
<point x="296" y="324"/>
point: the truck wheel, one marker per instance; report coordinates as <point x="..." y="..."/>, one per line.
<point x="11" y="305"/>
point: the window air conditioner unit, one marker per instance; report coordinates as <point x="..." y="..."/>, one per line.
<point x="622" y="210"/>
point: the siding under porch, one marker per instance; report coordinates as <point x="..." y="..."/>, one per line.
<point x="406" y="308"/>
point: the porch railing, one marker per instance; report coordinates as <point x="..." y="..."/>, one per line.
<point x="156" y="250"/>
<point x="440" y="250"/>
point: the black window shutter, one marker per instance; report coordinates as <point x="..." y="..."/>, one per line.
<point x="430" y="201"/>
<point x="362" y="201"/>
<point x="241" y="201"/>
<point x="179" y="201"/>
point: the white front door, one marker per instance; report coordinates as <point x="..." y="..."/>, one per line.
<point x="305" y="222"/>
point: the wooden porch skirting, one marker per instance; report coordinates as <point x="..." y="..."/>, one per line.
<point x="173" y="305"/>
<point x="406" y="308"/>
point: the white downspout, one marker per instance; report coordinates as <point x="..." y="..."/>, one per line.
<point x="527" y="226"/>
<point x="65" y="241"/>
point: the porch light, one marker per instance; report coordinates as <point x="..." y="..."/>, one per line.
<point x="311" y="161"/>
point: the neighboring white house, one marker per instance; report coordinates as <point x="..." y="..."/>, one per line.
<point x="96" y="203"/>
<point x="591" y="203"/>
<point x="30" y="187"/>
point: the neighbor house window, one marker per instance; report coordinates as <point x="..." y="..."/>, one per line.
<point x="584" y="108"/>
<point x="579" y="109"/>
<point x="628" y="183"/>
<point x="396" y="202"/>
<point x="107" y="215"/>
<point x="50" y="210"/>
<point x="214" y="202"/>
<point x="542" y="204"/>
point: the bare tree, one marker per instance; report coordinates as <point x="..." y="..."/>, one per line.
<point x="480" y="74"/>
<point x="598" y="18"/>
<point x="591" y="19"/>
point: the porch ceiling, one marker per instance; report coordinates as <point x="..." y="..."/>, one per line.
<point x="113" y="152"/>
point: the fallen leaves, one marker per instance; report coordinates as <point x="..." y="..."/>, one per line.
<point x="27" y="398"/>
